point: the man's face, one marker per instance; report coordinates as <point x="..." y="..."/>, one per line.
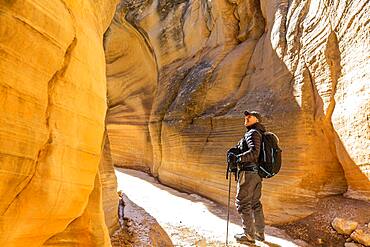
<point x="249" y="120"/>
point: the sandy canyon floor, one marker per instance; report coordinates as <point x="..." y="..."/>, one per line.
<point x="158" y="215"/>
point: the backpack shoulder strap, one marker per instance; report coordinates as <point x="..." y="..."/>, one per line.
<point x="259" y="132"/>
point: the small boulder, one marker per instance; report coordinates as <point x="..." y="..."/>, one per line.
<point x="343" y="226"/>
<point x="362" y="235"/>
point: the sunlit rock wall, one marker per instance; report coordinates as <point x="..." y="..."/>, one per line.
<point x="181" y="72"/>
<point x="109" y="187"/>
<point x="53" y="104"/>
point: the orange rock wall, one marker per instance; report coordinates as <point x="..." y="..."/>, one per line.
<point x="53" y="104"/>
<point x="109" y="187"/>
<point x="131" y="91"/>
<point x="177" y="88"/>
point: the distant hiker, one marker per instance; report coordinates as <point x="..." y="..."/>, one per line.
<point x="121" y="206"/>
<point x="246" y="154"/>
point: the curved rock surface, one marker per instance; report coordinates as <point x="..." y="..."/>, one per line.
<point x="131" y="91"/>
<point x="181" y="72"/>
<point x="53" y="104"/>
<point x="109" y="187"/>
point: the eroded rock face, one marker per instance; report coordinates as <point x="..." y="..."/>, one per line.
<point x="109" y="187"/>
<point x="302" y="64"/>
<point x="53" y="91"/>
<point x="131" y="91"/>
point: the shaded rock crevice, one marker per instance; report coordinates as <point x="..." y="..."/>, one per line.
<point x="250" y="37"/>
<point x="164" y="7"/>
<point x="313" y="106"/>
<point x="333" y="59"/>
<point x="188" y="103"/>
<point x="206" y="5"/>
<point x="250" y="18"/>
<point x="130" y="19"/>
<point x="317" y="105"/>
<point x="156" y="126"/>
<point x="332" y="54"/>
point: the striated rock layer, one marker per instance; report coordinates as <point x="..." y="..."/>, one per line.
<point x="53" y="104"/>
<point x="131" y="91"/>
<point x="181" y="72"/>
<point x="109" y="187"/>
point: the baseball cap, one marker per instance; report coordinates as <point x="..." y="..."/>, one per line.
<point x="254" y="113"/>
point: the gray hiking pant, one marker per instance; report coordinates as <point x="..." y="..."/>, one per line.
<point x="248" y="203"/>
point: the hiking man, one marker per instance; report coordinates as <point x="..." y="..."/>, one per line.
<point x="248" y="204"/>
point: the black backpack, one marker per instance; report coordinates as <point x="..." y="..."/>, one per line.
<point x="269" y="160"/>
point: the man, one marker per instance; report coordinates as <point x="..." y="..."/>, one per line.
<point x="249" y="182"/>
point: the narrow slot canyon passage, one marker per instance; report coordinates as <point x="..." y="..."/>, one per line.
<point x="94" y="92"/>
<point x="179" y="76"/>
<point x="188" y="219"/>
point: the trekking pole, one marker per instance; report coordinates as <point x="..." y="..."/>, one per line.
<point x="228" y="211"/>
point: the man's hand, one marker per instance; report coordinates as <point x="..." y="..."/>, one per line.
<point x="239" y="162"/>
<point x="231" y="160"/>
<point x="238" y="159"/>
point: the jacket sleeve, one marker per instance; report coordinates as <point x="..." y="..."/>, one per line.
<point x="253" y="139"/>
<point x="236" y="149"/>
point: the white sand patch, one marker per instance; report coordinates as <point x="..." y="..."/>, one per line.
<point x="189" y="219"/>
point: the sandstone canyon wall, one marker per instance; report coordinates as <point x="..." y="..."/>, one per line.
<point x="53" y="105"/>
<point x="181" y="72"/>
<point x="109" y="187"/>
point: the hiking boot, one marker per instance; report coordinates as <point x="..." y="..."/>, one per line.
<point x="244" y="238"/>
<point x="260" y="237"/>
<point x="238" y="235"/>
